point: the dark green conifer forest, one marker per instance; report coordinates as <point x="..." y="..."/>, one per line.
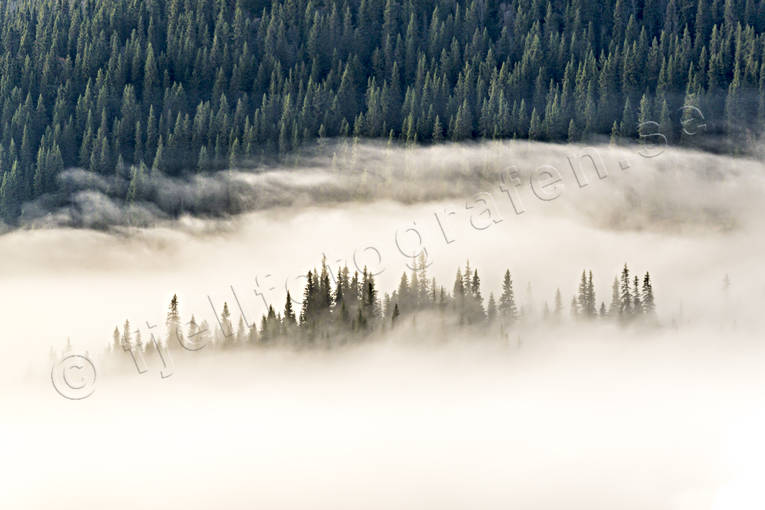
<point x="124" y="88"/>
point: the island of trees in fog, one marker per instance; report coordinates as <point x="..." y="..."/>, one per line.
<point x="128" y="88"/>
<point x="350" y="309"/>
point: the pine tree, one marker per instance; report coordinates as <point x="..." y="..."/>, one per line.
<point x="404" y="294"/>
<point x="615" y="134"/>
<point x="535" y="126"/>
<point x="340" y="286"/>
<point x="508" y="310"/>
<point x="558" y="310"/>
<point x="203" y="334"/>
<point x="369" y="299"/>
<point x="116" y="340"/>
<point x="422" y="279"/>
<point x="637" y="302"/>
<point x="252" y="336"/>
<point x="649" y="306"/>
<point x="615" y="307"/>
<point x="193" y="330"/>
<point x="226" y="331"/>
<point x="573" y="135"/>
<point x="591" y="310"/>
<point x="270" y="328"/>
<point x="241" y="332"/>
<point x="414" y="290"/>
<point x="173" y="323"/>
<point x="582" y="299"/>
<point x="438" y="130"/>
<point x="491" y="310"/>
<point x="307" y="318"/>
<point x="476" y="311"/>
<point x="289" y="314"/>
<point x="126" y="342"/>
<point x="628" y="126"/>
<point x="625" y="297"/>
<point x="459" y="285"/>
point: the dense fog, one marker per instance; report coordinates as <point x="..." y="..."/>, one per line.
<point x="572" y="415"/>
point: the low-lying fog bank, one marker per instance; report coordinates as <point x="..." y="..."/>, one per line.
<point x="574" y="421"/>
<point x="541" y="210"/>
<point x="577" y="416"/>
<point x="648" y="179"/>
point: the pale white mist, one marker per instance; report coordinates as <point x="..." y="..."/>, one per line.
<point x="568" y="417"/>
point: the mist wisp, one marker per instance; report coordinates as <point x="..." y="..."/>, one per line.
<point x="342" y="172"/>
<point x="425" y="414"/>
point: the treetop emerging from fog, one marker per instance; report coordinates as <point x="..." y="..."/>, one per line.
<point x="343" y="308"/>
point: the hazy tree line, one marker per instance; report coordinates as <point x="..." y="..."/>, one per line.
<point x="348" y="308"/>
<point x="124" y="88"/>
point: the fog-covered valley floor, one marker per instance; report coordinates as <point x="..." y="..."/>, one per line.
<point x="567" y="416"/>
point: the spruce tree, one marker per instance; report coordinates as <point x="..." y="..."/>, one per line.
<point x="476" y="311"/>
<point x="558" y="310"/>
<point x="203" y="334"/>
<point x="241" y="332"/>
<point x="289" y="314"/>
<point x="404" y="294"/>
<point x="649" y="306"/>
<point x="591" y="300"/>
<point x="637" y="302"/>
<point x="193" y="330"/>
<point x="126" y="340"/>
<point x="226" y="327"/>
<point x="309" y="297"/>
<point x="491" y="310"/>
<point x="615" y="307"/>
<point x="582" y="298"/>
<point x="173" y="324"/>
<point x="252" y="336"/>
<point x="508" y="310"/>
<point x="625" y="296"/>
